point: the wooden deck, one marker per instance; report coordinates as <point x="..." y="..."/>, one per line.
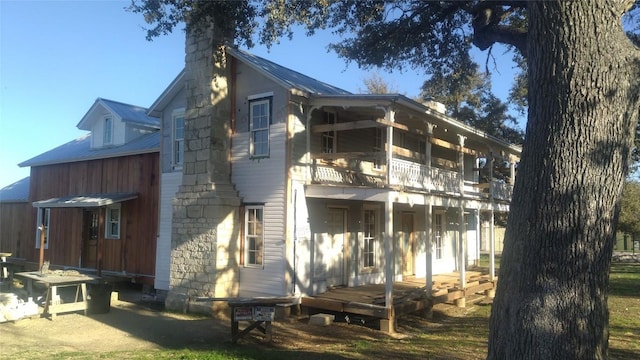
<point x="408" y="296"/>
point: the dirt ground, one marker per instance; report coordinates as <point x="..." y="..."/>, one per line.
<point x="133" y="323"/>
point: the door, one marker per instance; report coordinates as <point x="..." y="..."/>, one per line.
<point x="90" y="234"/>
<point x="336" y="247"/>
<point x="408" y="245"/>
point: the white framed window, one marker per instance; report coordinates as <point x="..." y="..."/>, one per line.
<point x="178" y="138"/>
<point x="370" y="238"/>
<point x="107" y="132"/>
<point x="438" y="235"/>
<point x="329" y="138"/>
<point x="259" y="118"/>
<point x="44" y="216"/>
<point x="112" y="222"/>
<point x="254" y="236"/>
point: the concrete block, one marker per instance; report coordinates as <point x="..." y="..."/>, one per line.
<point x="321" y="319"/>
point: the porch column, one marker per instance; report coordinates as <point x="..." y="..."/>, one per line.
<point x="427" y="157"/>
<point x="389" y="324"/>
<point x="462" y="248"/>
<point x="462" y="228"/>
<point x="390" y="116"/>
<point x="461" y="140"/>
<point x="491" y="163"/>
<point x="428" y="220"/>
<point x="492" y="249"/>
<point x="512" y="169"/>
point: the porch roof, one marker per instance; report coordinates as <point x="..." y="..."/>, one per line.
<point x="88" y="200"/>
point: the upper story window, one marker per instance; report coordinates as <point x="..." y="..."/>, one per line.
<point x="178" y="139"/>
<point x="44" y="214"/>
<point x="254" y="236"/>
<point x="112" y="227"/>
<point x="329" y="138"/>
<point x="260" y="118"/>
<point x="107" y="132"/>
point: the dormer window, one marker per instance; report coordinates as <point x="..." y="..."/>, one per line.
<point x="107" y="138"/>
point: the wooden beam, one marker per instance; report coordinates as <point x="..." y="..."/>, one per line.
<point x="448" y="145"/>
<point x="360" y="155"/>
<point x="350" y="125"/>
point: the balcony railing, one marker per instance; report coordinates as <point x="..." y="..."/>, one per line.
<point x="408" y="175"/>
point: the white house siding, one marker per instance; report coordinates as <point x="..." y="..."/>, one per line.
<point x="170" y="183"/>
<point x="262" y="181"/>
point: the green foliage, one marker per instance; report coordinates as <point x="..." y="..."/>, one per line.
<point x="467" y="95"/>
<point x="629" y="221"/>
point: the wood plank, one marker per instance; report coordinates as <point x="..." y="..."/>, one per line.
<point x="351" y="125"/>
<point x="448" y="145"/>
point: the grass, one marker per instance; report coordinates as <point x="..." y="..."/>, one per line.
<point x="451" y="333"/>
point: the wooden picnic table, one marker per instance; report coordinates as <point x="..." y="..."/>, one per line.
<point x="53" y="282"/>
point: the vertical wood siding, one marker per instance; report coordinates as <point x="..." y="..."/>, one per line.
<point x="135" y="251"/>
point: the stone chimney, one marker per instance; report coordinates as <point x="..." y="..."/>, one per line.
<point x="206" y="221"/>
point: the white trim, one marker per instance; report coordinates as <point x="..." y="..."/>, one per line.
<point x="108" y="221"/>
<point x="260" y="96"/>
<point x="176" y="114"/>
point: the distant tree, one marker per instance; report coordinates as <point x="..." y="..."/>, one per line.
<point x="376" y="84"/>
<point x="467" y="95"/>
<point x="583" y="98"/>
<point x="629" y="222"/>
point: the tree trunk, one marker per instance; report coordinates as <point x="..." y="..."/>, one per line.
<point x="551" y="300"/>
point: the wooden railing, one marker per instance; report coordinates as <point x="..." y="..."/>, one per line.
<point x="405" y="174"/>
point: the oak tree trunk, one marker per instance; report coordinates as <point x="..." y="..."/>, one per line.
<point x="551" y="300"/>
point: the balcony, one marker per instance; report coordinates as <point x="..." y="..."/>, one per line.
<point x="361" y="171"/>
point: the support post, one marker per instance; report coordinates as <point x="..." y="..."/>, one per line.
<point x="388" y="259"/>
<point x="428" y="220"/>
<point x="492" y="249"/>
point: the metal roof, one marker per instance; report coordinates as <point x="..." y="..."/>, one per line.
<point x="80" y="150"/>
<point x="87" y="200"/>
<point x="16" y="192"/>
<point x="132" y="114"/>
<point x="286" y="77"/>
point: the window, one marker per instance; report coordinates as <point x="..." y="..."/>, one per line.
<point x="438" y="236"/>
<point x="329" y="142"/>
<point x="107" y="138"/>
<point x="254" y="236"/>
<point x="370" y="237"/>
<point x="44" y="214"/>
<point x="260" y="118"/>
<point x="178" y="139"/>
<point x="112" y="225"/>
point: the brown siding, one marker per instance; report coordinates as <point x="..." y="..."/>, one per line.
<point x="16" y="232"/>
<point x="134" y="252"/>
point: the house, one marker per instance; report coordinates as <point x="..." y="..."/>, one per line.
<point x="95" y="199"/>
<point x="288" y="186"/>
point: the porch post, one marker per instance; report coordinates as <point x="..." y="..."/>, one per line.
<point x="389" y="325"/>
<point x="492" y="249"/>
<point x="390" y="117"/>
<point x="428" y="220"/>
<point x="427" y="157"/>
<point x="512" y="170"/>
<point x="462" y="226"/>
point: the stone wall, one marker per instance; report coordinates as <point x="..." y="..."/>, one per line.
<point x="205" y="226"/>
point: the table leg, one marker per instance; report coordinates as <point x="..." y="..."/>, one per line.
<point x="83" y="286"/>
<point x="53" y="300"/>
<point x="268" y="331"/>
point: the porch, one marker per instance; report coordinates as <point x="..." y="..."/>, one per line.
<point x="368" y="301"/>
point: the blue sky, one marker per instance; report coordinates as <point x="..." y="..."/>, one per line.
<point x="57" y="57"/>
